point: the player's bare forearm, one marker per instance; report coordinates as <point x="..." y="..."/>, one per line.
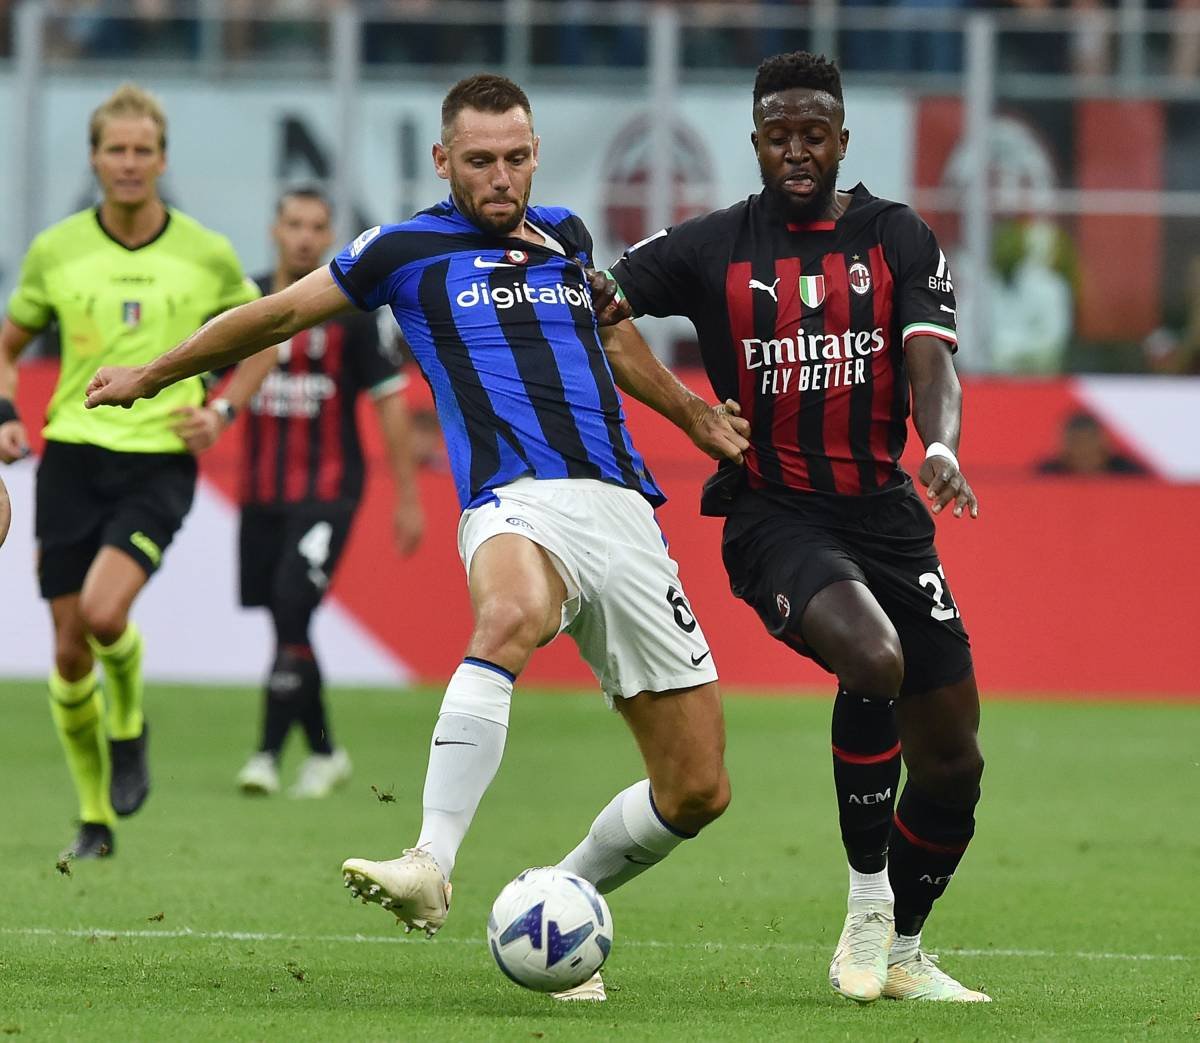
<point x="936" y="392"/>
<point x="248" y="377"/>
<point x="229" y="338"/>
<point x="396" y="428"/>
<point x="13" y="340"/>
<point x="937" y="416"/>
<point x="718" y="431"/>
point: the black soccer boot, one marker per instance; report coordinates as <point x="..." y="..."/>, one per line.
<point x="130" y="773"/>
<point x="95" y="840"/>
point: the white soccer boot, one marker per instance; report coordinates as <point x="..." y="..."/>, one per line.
<point x="859" y="968"/>
<point x="320" y="774"/>
<point x="410" y="887"/>
<point x="919" y="978"/>
<point x="591" y="991"/>
<point x="260" y="776"/>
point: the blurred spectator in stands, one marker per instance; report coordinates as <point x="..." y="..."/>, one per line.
<point x="1032" y="296"/>
<point x="1172" y="352"/>
<point x="413" y="41"/>
<point x="1046" y="50"/>
<point x="6" y="27"/>
<point x="580" y="40"/>
<point x="896" y="50"/>
<point x="1185" y="42"/>
<point x="1086" y="450"/>
<point x="151" y="29"/>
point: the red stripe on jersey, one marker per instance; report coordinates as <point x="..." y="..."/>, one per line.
<point x="882" y="420"/>
<point x="740" y="304"/>
<point x="836" y="423"/>
<point x="332" y="465"/>
<point x="785" y="423"/>
<point x="295" y="464"/>
<point x="268" y="450"/>
<point x="813" y="226"/>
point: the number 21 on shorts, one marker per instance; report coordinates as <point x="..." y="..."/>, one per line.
<point x="943" y="604"/>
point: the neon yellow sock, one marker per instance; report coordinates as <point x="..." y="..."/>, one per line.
<point x="78" y="711"/>
<point x="122" y="662"/>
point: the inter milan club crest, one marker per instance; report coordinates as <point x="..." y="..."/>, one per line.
<point x="812" y="290"/>
<point x="516" y="257"/>
<point x="784" y="606"/>
<point x="131" y="312"/>
<point x="860" y="278"/>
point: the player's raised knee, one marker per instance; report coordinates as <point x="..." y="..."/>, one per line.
<point x="694" y="803"/>
<point x="876" y="669"/>
<point x="105" y="622"/>
<point x="507" y="625"/>
<point x="952" y="780"/>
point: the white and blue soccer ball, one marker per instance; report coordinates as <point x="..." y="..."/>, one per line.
<point x="550" y="930"/>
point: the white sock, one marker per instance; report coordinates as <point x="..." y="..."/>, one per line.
<point x="463" y="757"/>
<point x="904" y="947"/>
<point x="627" y="838"/>
<point x="870" y="887"/>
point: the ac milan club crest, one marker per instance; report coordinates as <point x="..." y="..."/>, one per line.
<point x="860" y="278"/>
<point x="784" y="606"/>
<point x="812" y="290"/>
<point x="516" y="257"/>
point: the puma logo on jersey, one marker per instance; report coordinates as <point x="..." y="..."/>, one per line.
<point x="756" y="285"/>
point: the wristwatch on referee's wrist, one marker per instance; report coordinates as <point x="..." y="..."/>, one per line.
<point x="225" y="409"/>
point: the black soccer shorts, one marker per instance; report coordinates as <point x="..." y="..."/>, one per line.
<point x="288" y="552"/>
<point x="88" y="497"/>
<point x="780" y="552"/>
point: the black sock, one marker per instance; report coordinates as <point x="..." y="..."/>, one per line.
<point x="927" y="843"/>
<point x="293" y="694"/>
<point x="866" y="774"/>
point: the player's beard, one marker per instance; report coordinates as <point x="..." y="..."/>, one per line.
<point x="498" y="227"/>
<point x="815" y="207"/>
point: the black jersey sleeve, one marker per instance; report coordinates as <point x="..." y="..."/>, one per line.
<point x="373" y="361"/>
<point x="662" y="275"/>
<point x="924" y="293"/>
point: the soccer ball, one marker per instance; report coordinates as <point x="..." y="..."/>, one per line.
<point x="549" y="930"/>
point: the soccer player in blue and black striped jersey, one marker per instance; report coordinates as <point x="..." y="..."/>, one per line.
<point x="558" y="530"/>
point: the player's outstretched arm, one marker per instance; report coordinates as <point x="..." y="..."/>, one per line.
<point x="229" y="338"/>
<point x="937" y="415"/>
<point x="718" y="430"/>
<point x="408" y="520"/>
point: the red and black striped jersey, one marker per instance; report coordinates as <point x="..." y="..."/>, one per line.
<point x="301" y="441"/>
<point x="805" y="327"/>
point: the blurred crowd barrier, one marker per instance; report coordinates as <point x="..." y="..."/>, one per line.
<point x="1079" y="577"/>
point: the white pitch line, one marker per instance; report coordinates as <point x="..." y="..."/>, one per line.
<point x="633" y="943"/>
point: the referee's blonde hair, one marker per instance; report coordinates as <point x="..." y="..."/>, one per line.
<point x="128" y="101"/>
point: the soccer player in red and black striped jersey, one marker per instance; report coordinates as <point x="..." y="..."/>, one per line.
<point x="820" y="314"/>
<point x="302" y="475"/>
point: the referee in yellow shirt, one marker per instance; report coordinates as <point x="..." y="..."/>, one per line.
<point x="125" y="281"/>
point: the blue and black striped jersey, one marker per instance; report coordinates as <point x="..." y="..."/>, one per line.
<point x="503" y="330"/>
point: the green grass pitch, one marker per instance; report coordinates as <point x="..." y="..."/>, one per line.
<point x="223" y="918"/>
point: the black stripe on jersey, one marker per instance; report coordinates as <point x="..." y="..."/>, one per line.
<point x="766" y="318"/>
<point x="313" y="427"/>
<point x="254" y="437"/>
<point x="482" y="424"/>
<point x="535" y="363"/>
<point x="810" y="424"/>
<point x="862" y="317"/>
<point x="898" y="428"/>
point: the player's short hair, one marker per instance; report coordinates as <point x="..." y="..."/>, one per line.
<point x="128" y="100"/>
<point x="484" y="92"/>
<point x="782" y="72"/>
<point x="314" y="192"/>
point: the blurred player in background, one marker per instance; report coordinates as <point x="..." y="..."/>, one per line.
<point x="123" y="281"/>
<point x="817" y="310"/>
<point x="558" y="530"/>
<point x="302" y="477"/>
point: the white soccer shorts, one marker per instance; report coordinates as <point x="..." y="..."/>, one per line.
<point x="625" y="606"/>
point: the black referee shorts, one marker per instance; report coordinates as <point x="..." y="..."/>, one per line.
<point x="779" y="553"/>
<point x="88" y="497"/>
<point x="288" y="552"/>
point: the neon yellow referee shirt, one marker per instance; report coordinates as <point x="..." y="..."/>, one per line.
<point x="121" y="307"/>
